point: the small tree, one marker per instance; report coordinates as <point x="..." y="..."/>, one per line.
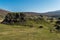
<point x="57" y="26"/>
<point x="22" y="17"/>
<point x="59" y="18"/>
<point x="58" y="22"/>
<point x="51" y="19"/>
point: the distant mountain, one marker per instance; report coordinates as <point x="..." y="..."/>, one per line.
<point x="55" y="14"/>
<point x="3" y="13"/>
<point x="31" y="13"/>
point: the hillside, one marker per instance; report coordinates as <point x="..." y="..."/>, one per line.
<point x="29" y="26"/>
<point x="55" y="14"/>
<point x="17" y="32"/>
<point x="3" y="13"/>
<point x="25" y="19"/>
<point x="35" y="28"/>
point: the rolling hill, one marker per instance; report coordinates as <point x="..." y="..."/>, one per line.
<point x="29" y="29"/>
<point x="3" y="13"/>
<point x="55" y="14"/>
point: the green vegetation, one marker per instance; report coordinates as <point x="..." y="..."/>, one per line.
<point x="19" y="26"/>
<point x="17" y="32"/>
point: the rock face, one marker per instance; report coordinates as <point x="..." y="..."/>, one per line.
<point x="12" y="18"/>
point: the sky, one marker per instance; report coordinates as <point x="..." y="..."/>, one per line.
<point x="30" y="5"/>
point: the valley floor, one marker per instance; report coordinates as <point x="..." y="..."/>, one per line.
<point x="16" y="32"/>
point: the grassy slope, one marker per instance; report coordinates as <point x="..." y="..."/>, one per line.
<point x="17" y="32"/>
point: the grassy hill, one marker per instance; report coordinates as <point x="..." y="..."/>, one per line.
<point x="3" y="13"/>
<point x="28" y="26"/>
<point x="18" y="32"/>
<point x="29" y="29"/>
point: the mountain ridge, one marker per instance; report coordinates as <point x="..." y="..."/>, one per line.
<point x="51" y="13"/>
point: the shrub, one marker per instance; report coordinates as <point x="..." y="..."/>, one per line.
<point x="14" y="18"/>
<point x="57" y="27"/>
<point x="58" y="22"/>
<point x="40" y="26"/>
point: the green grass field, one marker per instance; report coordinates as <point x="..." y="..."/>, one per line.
<point x="17" y="32"/>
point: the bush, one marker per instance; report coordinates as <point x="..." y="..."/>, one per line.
<point x="40" y="26"/>
<point x="58" y="22"/>
<point x="57" y="27"/>
<point x="14" y="18"/>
